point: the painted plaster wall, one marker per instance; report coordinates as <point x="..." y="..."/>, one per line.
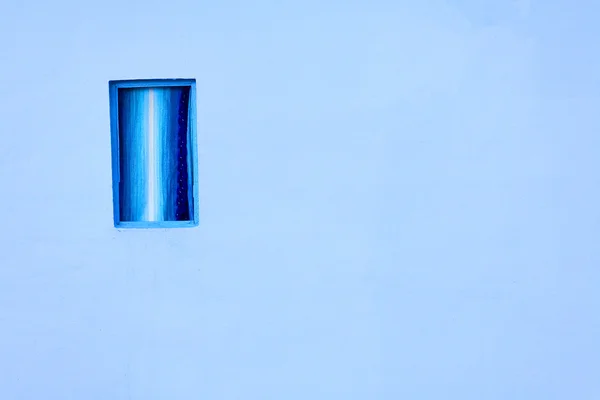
<point x="398" y="200"/>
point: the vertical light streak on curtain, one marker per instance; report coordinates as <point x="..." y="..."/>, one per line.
<point x="154" y="168"/>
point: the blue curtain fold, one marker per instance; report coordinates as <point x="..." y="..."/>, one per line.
<point x="154" y="154"/>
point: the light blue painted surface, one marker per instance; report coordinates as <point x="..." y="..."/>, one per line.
<point x="400" y="201"/>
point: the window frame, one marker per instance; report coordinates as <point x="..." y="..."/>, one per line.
<point x="114" y="86"/>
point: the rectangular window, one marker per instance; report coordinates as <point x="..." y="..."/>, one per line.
<point x="154" y="157"/>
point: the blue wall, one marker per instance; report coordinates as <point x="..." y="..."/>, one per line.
<point x="399" y="200"/>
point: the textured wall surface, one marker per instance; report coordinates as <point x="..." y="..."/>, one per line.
<point x="399" y="200"/>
